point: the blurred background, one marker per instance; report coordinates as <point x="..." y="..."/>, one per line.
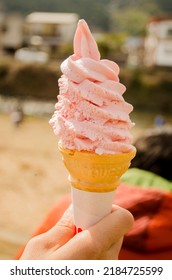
<point x="35" y="36"/>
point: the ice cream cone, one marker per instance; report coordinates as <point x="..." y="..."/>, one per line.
<point x="94" y="179"/>
<point x="91" y="114"/>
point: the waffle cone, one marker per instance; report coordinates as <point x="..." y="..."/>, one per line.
<point x="95" y="173"/>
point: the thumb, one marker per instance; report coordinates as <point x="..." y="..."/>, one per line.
<point x="62" y="232"/>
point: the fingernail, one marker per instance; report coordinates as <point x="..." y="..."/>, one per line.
<point x="79" y="230"/>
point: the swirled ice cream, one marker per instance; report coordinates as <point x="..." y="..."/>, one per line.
<point x="91" y="113"/>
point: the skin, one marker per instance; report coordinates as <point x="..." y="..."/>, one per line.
<point x="101" y="241"/>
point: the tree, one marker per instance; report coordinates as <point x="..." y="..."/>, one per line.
<point x="132" y="21"/>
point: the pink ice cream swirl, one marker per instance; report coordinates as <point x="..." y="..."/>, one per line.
<point x="91" y="113"/>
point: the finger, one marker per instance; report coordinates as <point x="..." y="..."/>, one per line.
<point x="63" y="231"/>
<point x="113" y="252"/>
<point x="112" y="227"/>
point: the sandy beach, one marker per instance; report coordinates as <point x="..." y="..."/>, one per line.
<point x="32" y="179"/>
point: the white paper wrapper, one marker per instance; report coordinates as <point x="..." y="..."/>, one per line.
<point x="90" y="207"/>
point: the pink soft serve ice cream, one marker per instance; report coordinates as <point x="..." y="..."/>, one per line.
<point x="91" y="113"/>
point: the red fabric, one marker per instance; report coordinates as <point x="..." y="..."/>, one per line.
<point x="151" y="235"/>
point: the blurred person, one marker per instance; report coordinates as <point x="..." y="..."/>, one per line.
<point x="154" y="151"/>
<point x="159" y="121"/>
<point x="145" y="191"/>
<point x="17" y="116"/>
<point x="150" y="179"/>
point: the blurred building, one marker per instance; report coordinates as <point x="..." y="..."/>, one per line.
<point x="51" y="28"/>
<point x="39" y="31"/>
<point x="158" y="43"/>
<point x="1" y="27"/>
<point x="11" y="31"/>
<point x="134" y="48"/>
